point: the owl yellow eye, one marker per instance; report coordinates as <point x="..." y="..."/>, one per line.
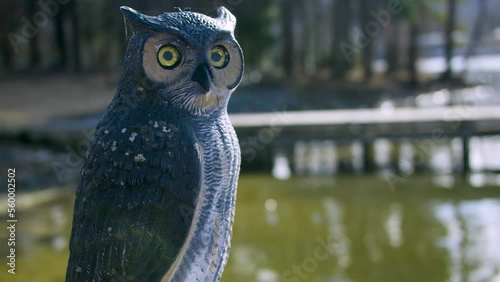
<point x="218" y="56"/>
<point x="169" y="57"/>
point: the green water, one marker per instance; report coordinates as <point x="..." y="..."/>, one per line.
<point x="343" y="229"/>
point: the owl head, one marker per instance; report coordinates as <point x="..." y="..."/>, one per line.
<point x="187" y="59"/>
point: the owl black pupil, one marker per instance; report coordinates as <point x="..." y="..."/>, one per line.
<point x="216" y="57"/>
<point x="168" y="56"/>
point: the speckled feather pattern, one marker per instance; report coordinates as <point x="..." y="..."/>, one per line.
<point x="158" y="189"/>
<point x="139" y="193"/>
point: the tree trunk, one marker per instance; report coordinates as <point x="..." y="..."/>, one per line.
<point x="61" y="39"/>
<point x="449" y="45"/>
<point x="293" y="21"/>
<point x="342" y="11"/>
<point x="34" y="49"/>
<point x="392" y="48"/>
<point x="75" y="30"/>
<point x="10" y="13"/>
<point x="6" y="53"/>
<point x="365" y="18"/>
<point x="287" y="28"/>
<point x="413" y="55"/>
<point x="299" y="38"/>
<point x="322" y="25"/>
<point x="310" y="33"/>
<point x="477" y="29"/>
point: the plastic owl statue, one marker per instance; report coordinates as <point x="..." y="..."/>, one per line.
<point x="157" y="194"/>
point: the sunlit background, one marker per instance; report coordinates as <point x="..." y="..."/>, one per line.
<point x="369" y="129"/>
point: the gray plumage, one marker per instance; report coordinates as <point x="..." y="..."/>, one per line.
<point x="157" y="195"/>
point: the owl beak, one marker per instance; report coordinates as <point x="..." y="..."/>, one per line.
<point x="203" y="77"/>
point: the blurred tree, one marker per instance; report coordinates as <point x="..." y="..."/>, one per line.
<point x="313" y="33"/>
<point x="401" y="34"/>
<point x="108" y="38"/>
<point x="60" y="39"/>
<point x="9" y="13"/>
<point x="34" y="42"/>
<point x="393" y="45"/>
<point x="67" y="22"/>
<point x="449" y="44"/>
<point x="410" y="12"/>
<point x="253" y="28"/>
<point x="299" y="42"/>
<point x="342" y="24"/>
<point x="310" y="34"/>
<point x="478" y="28"/>
<point x="368" y="30"/>
<point x="73" y="14"/>
<point x="288" y="59"/>
<point x="413" y="55"/>
<point x="323" y="34"/>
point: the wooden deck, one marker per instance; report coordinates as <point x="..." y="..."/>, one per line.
<point x="283" y="129"/>
<point x="368" y="116"/>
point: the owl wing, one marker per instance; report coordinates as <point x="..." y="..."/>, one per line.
<point x="135" y="203"/>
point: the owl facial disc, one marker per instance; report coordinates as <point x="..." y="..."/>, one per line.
<point x="191" y="60"/>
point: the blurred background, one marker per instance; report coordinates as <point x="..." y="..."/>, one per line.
<point x="369" y="129"/>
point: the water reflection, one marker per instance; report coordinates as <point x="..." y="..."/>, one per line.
<point x="393" y="225"/>
<point x="315" y="158"/>
<point x="358" y="230"/>
<point x="443" y="159"/>
<point x="485" y="153"/>
<point x="357" y="157"/>
<point x="322" y="229"/>
<point x="383" y="148"/>
<point x="472" y="239"/>
<point x="281" y="168"/>
<point x="406" y="155"/>
<point x="272" y="217"/>
<point x="337" y="239"/>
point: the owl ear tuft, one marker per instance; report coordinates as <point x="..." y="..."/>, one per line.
<point x="227" y="19"/>
<point x="134" y="21"/>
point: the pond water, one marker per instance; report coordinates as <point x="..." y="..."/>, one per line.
<point x="346" y="228"/>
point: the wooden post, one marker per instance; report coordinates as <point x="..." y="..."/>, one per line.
<point x="465" y="155"/>
<point x="367" y="156"/>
